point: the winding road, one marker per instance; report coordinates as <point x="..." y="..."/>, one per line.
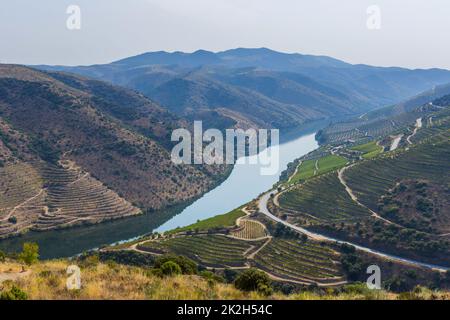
<point x="417" y="127"/>
<point x="262" y="207"/>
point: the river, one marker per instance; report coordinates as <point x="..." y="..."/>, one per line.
<point x="243" y="184"/>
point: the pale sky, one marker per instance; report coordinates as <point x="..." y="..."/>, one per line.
<point x="414" y="33"/>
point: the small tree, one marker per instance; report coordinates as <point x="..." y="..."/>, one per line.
<point x="170" y="268"/>
<point x="30" y="253"/>
<point x="13" y="294"/>
<point x="254" y="280"/>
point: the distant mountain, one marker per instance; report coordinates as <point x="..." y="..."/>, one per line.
<point x="411" y="103"/>
<point x="262" y="87"/>
<point x="74" y="150"/>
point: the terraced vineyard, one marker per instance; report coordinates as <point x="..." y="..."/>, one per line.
<point x="379" y="127"/>
<point x="45" y="197"/>
<point x="310" y="168"/>
<point x="369" y="150"/>
<point x="21" y="198"/>
<point x="250" y="229"/>
<point x="434" y="124"/>
<point x="75" y="196"/>
<point x="324" y="199"/>
<point x="209" y="250"/>
<point x="300" y="261"/>
<point x="429" y="161"/>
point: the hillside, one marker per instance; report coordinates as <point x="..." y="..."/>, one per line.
<point x="384" y="121"/>
<point x="262" y="87"/>
<point x="393" y="193"/>
<point x="115" y="281"/>
<point x="76" y="151"/>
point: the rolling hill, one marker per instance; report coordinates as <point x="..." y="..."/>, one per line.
<point x="262" y="87"/>
<point x="75" y="151"/>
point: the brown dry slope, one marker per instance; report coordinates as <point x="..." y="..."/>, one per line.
<point x="92" y="151"/>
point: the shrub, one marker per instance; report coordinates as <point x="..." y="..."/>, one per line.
<point x="30" y="253"/>
<point x="2" y="256"/>
<point x="170" y="268"/>
<point x="230" y="275"/>
<point x="89" y="260"/>
<point x="353" y="266"/>
<point x="187" y="265"/>
<point x="253" y="280"/>
<point x="14" y="293"/>
<point x="12" y="220"/>
<point x="211" y="276"/>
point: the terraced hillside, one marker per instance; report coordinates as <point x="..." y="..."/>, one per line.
<point x="300" y="261"/>
<point x="310" y="168"/>
<point x="249" y="229"/>
<point x="428" y="161"/>
<point x="118" y="138"/>
<point x="74" y="197"/>
<point x="55" y="196"/>
<point x="209" y="250"/>
<point x="368" y="150"/>
<point x="322" y="198"/>
<point x="396" y="201"/>
<point x="380" y="126"/>
<point x="21" y="197"/>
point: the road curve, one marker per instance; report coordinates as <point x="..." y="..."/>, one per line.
<point x="262" y="207"/>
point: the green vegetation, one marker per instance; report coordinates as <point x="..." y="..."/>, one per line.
<point x="249" y="229"/>
<point x="30" y="253"/>
<point x="369" y="150"/>
<point x="14" y="293"/>
<point x="208" y="250"/>
<point x="325" y="164"/>
<point x="427" y="161"/>
<point x="254" y="280"/>
<point x="170" y="268"/>
<point x="217" y="222"/>
<point x="418" y="205"/>
<point x="322" y="198"/>
<point x="299" y="260"/>
<point x="305" y="171"/>
<point x="187" y="266"/>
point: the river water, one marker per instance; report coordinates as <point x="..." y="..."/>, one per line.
<point x="243" y="184"/>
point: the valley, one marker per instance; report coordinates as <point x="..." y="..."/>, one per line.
<point x="85" y="169"/>
<point x="323" y="208"/>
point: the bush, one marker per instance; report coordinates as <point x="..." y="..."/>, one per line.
<point x="208" y="275"/>
<point x="230" y="275"/>
<point x="170" y="268"/>
<point x="2" y="256"/>
<point x="30" y="253"/>
<point x="353" y="266"/>
<point x="13" y="294"/>
<point x="12" y="220"/>
<point x="89" y="260"/>
<point x="127" y="257"/>
<point x="187" y="265"/>
<point x="254" y="280"/>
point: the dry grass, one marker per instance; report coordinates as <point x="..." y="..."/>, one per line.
<point x="113" y="281"/>
<point x="47" y="281"/>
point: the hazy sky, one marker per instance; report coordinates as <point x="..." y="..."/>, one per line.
<point x="414" y="33"/>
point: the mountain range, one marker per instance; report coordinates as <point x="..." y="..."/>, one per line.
<point x="261" y="87"/>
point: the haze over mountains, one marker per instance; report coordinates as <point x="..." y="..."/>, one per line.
<point x="261" y="87"/>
